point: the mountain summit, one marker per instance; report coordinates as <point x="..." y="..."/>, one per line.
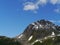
<point x="38" y="32"/>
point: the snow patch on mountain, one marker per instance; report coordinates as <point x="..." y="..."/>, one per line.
<point x="20" y="36"/>
<point x="30" y="38"/>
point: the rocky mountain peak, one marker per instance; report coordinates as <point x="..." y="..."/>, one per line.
<point x="43" y="24"/>
<point x="40" y="29"/>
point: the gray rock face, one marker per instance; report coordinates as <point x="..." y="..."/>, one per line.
<point x="38" y="30"/>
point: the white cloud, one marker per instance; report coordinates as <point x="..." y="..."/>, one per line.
<point x="55" y="21"/>
<point x="35" y="6"/>
<point x="58" y="1"/>
<point x="41" y="2"/>
<point x="30" y="6"/>
<point x="55" y="2"/>
<point x="57" y="10"/>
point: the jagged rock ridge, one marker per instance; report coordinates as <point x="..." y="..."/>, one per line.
<point x="37" y="31"/>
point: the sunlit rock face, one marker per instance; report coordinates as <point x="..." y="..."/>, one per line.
<point x="38" y="31"/>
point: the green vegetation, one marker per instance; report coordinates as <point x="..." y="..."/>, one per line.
<point x="12" y="41"/>
<point x="38" y="43"/>
<point x="8" y="41"/>
<point x="49" y="41"/>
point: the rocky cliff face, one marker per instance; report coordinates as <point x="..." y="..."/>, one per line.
<point x="39" y="31"/>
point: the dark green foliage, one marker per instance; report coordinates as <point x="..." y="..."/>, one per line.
<point x="50" y="41"/>
<point x="38" y="43"/>
<point x="57" y="41"/>
<point x="8" y="41"/>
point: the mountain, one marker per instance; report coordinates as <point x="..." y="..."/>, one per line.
<point x="39" y="32"/>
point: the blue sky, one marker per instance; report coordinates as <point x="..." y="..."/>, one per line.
<point x="16" y="15"/>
